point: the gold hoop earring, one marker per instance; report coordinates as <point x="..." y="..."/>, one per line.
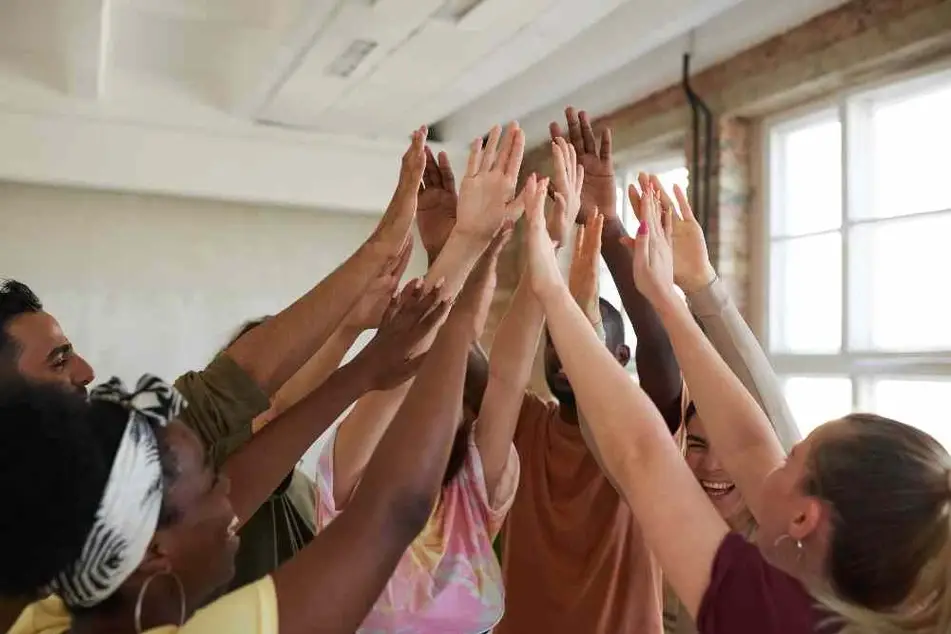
<point x="141" y="598"/>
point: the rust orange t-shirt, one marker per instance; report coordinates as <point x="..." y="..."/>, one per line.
<point x="573" y="557"/>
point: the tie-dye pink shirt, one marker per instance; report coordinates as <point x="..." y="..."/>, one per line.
<point x="449" y="580"/>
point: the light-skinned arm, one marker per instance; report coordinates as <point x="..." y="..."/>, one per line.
<point x="333" y="583"/>
<point x="365" y="315"/>
<point x="679" y="524"/>
<point x="485" y="203"/>
<point x="271" y="353"/>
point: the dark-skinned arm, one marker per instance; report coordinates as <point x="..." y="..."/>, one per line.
<point x="654" y="358"/>
<point x="333" y="583"/>
<point x="271" y="353"/>
<point x="260" y="465"/>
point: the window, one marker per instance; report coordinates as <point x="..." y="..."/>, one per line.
<point x="670" y="172"/>
<point x="859" y="217"/>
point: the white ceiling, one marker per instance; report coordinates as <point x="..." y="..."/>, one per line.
<point x="363" y="69"/>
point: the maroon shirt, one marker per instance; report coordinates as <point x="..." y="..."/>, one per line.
<point x="748" y="596"/>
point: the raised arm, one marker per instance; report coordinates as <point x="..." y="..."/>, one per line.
<point x="485" y="203"/>
<point x="657" y="367"/>
<point x="721" y="320"/>
<point x="271" y="353"/>
<point x="332" y="584"/>
<point x="365" y="315"/>
<point x="738" y="429"/>
<point x="259" y="466"/>
<point x="680" y="526"/>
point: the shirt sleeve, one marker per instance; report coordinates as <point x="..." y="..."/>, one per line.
<point x="497" y="503"/>
<point x="731" y="336"/>
<point x="250" y="610"/>
<point x="326" y="508"/>
<point x="222" y="401"/>
<point x="746" y="595"/>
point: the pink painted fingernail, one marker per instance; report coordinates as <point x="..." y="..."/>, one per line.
<point x="642" y="229"/>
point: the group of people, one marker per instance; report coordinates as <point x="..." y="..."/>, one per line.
<point x="681" y="502"/>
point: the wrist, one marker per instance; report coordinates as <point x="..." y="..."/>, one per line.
<point x="613" y="229"/>
<point x="358" y="374"/>
<point x="698" y="281"/>
<point x="670" y="307"/>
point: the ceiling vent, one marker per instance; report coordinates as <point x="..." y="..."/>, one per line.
<point x="348" y="61"/>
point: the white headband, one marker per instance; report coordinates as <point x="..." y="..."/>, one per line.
<point x="128" y="513"/>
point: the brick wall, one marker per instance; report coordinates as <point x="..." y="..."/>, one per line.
<point x="859" y="42"/>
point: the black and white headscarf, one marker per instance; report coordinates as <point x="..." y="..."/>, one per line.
<point x="129" y="510"/>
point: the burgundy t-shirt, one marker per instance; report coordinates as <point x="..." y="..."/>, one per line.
<point x="749" y="596"/>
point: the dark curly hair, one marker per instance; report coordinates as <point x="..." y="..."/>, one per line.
<point x="16" y="299"/>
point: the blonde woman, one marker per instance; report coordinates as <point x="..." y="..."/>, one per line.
<point x="857" y="518"/>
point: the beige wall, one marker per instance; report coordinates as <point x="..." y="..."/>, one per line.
<point x="158" y="284"/>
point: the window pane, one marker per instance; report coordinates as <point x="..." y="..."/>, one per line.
<point x="909" y="145"/>
<point x="815" y="400"/>
<point x="808" y="185"/>
<point x="806" y="294"/>
<point x="915" y="402"/>
<point x="894" y="307"/>
<point x="679" y="176"/>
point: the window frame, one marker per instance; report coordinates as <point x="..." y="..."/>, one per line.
<point x="853" y="109"/>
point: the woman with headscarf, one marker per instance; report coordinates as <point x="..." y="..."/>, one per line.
<point x="145" y="528"/>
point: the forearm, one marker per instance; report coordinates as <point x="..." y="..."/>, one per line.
<point x="510" y="368"/>
<point x="630" y="439"/>
<point x="737" y="428"/>
<point x="654" y="357"/>
<point x="411" y="458"/>
<point x="609" y="399"/>
<point x="258" y="468"/>
<point x="477" y="378"/>
<point x="275" y="350"/>
<point x="737" y="345"/>
<point x="455" y="262"/>
<point x="317" y="369"/>
<point x="357" y="438"/>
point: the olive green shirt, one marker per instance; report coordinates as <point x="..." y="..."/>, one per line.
<point x="222" y="402"/>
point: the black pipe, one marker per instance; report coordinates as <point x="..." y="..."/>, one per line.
<point x="699" y="110"/>
<point x="695" y="123"/>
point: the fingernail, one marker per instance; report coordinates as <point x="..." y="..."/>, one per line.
<point x="642" y="229"/>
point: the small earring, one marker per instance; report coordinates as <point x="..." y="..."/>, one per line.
<point x="141" y="598"/>
<point x="799" y="551"/>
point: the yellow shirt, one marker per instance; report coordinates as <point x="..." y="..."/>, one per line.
<point x="250" y="610"/>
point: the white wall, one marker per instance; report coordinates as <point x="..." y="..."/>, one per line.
<point x="149" y="283"/>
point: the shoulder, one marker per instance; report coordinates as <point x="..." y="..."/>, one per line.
<point x="747" y="594"/>
<point x="249" y="610"/>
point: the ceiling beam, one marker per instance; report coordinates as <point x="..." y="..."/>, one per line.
<point x="289" y="53"/>
<point x="85" y="31"/>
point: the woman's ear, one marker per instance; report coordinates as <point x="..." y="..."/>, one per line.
<point x="157" y="560"/>
<point x="806" y="522"/>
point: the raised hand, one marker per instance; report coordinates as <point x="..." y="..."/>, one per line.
<point x="391" y="233"/>
<point x="486" y="196"/>
<point x="542" y="264"/>
<point x="474" y="301"/>
<point x="568" y="183"/>
<point x="408" y="318"/>
<point x="692" y="268"/>
<point x="368" y="312"/>
<point x="586" y="267"/>
<point x="652" y="249"/>
<point x="436" y="212"/>
<point x="595" y="155"/>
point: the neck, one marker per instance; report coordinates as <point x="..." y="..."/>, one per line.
<point x="160" y="608"/>
<point x="742" y="523"/>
